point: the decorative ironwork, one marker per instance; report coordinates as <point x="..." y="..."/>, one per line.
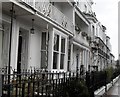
<point x="51" y="11"/>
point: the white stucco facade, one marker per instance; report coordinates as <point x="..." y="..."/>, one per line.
<point x="63" y="33"/>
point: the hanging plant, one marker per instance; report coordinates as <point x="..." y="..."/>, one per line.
<point x="84" y="34"/>
<point x="88" y="38"/>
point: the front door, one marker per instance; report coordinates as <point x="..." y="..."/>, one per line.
<point x="22" y="61"/>
<point x="19" y="53"/>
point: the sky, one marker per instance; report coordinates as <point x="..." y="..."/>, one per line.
<point x="107" y="13"/>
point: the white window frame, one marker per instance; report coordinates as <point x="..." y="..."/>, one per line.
<point x="59" y="51"/>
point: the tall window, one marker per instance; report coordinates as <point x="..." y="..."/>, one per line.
<point x="56" y="51"/>
<point x="69" y="55"/>
<point x="59" y="52"/>
<point x="62" y="53"/>
<point x="43" y="50"/>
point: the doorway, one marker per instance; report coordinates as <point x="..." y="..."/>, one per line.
<point x="19" y="53"/>
<point x="22" y="61"/>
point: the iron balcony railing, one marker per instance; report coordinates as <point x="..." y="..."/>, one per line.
<point x="49" y="10"/>
<point x="103" y="53"/>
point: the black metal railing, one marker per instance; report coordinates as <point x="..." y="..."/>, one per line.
<point x="36" y="84"/>
<point x="103" y="53"/>
<point x="39" y="83"/>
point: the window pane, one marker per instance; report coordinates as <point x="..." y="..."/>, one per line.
<point x="62" y="61"/>
<point x="62" y="45"/>
<point x="55" y="60"/>
<point x="43" y="46"/>
<point x="69" y="51"/>
<point x="56" y="42"/>
<point x="68" y="67"/>
<point x="43" y="59"/>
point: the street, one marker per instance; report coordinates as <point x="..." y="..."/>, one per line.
<point x="114" y="91"/>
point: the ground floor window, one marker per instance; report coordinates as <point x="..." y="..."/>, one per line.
<point x="69" y="54"/>
<point x="59" y="51"/>
<point x="4" y="37"/>
<point x="55" y="60"/>
<point x="43" y="50"/>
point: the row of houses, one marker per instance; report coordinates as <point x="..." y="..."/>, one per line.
<point x="53" y="35"/>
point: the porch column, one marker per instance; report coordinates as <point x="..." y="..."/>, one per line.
<point x="14" y="44"/>
<point x="85" y="59"/>
<point x="83" y="62"/>
<point x="72" y="58"/>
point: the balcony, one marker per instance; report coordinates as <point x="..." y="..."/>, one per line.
<point x="103" y="53"/>
<point x="48" y="10"/>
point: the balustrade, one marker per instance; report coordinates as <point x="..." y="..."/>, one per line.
<point x="49" y="10"/>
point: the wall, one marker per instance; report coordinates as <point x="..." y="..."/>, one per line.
<point x="65" y="9"/>
<point x="84" y="5"/>
<point x="68" y="11"/>
<point x="31" y="53"/>
<point x="34" y="50"/>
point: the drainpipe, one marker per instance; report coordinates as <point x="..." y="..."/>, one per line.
<point x="10" y="40"/>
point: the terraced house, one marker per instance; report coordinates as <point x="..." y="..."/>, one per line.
<point x="52" y="35"/>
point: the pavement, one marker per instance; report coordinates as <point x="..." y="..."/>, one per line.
<point x="114" y="91"/>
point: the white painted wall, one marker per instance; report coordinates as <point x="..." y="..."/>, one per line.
<point x="82" y="3"/>
<point x="34" y="50"/>
<point x="65" y="8"/>
<point x="73" y="66"/>
<point x="80" y="58"/>
<point x="34" y="45"/>
<point x="68" y="11"/>
<point x="81" y="39"/>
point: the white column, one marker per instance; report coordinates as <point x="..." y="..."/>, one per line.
<point x="66" y="55"/>
<point x="83" y="58"/>
<point x="58" y="63"/>
<point x="86" y="60"/>
<point x="72" y="57"/>
<point x="50" y="50"/>
<point x="14" y="44"/>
